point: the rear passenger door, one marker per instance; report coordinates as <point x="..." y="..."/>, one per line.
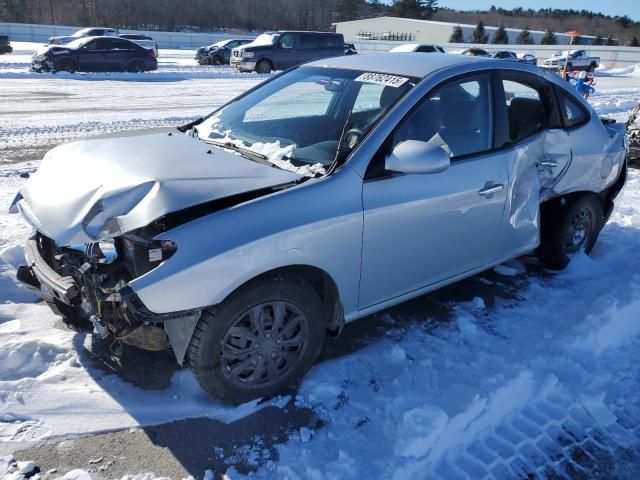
<point x="118" y="53"/>
<point x="537" y="149"/>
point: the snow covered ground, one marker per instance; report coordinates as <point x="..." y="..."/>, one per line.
<point x="516" y="371"/>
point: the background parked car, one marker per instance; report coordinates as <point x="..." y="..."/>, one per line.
<point x="5" y="44"/>
<point x="578" y="60"/>
<point x="143" y="40"/>
<point x="506" y="55"/>
<point x="285" y="49"/>
<point x="350" y="49"/>
<point x="85" y="32"/>
<point x="529" y="59"/>
<point x="475" y="52"/>
<point x="96" y="54"/>
<point x="418" y="47"/>
<point x="219" y="53"/>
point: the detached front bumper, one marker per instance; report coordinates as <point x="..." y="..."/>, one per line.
<point x="41" y="66"/>
<point x="37" y="274"/>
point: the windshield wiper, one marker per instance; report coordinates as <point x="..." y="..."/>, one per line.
<point x="245" y="152"/>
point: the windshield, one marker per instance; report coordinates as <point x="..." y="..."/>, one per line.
<point x="81" y="33"/>
<point x="300" y="120"/>
<point x="219" y="44"/>
<point x="265" y="39"/>
<point x="78" y="43"/>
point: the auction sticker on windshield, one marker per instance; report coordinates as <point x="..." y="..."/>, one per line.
<point x="382" y="79"/>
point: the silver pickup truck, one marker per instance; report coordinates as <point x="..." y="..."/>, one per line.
<point x="578" y="60"/>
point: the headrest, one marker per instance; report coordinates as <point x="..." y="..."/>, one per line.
<point x="388" y="96"/>
<point x="526" y="108"/>
<point x="461" y="115"/>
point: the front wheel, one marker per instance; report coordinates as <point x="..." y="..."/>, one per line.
<point x="66" y="66"/>
<point x="569" y="228"/>
<point x="592" y="67"/>
<point x="263" y="66"/>
<point x="260" y="341"/>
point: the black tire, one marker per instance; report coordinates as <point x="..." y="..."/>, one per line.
<point x="217" y="60"/>
<point x="592" y="67"/>
<point x="243" y="349"/>
<point x="66" y="65"/>
<point x="568" y="227"/>
<point x="569" y="67"/>
<point x="264" y="66"/>
<point x="136" y="66"/>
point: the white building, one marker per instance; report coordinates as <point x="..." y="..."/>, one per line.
<point x="428" y="31"/>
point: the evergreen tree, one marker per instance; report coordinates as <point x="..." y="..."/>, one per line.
<point x="479" y="34"/>
<point x="524" y="37"/>
<point x="500" y="37"/>
<point x="610" y="40"/>
<point x="549" y="38"/>
<point x="375" y="6"/>
<point x="408" y="8"/>
<point x="430" y="8"/>
<point x="635" y="42"/>
<point x="456" y="35"/>
<point x="347" y="9"/>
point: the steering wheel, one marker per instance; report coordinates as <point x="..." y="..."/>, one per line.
<point x="352" y="136"/>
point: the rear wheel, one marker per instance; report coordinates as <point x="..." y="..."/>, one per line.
<point x="264" y="66"/>
<point x="569" y="67"/>
<point x="66" y="65"/>
<point x="592" y="67"/>
<point x="260" y="341"/>
<point x="136" y="66"/>
<point x="568" y="229"/>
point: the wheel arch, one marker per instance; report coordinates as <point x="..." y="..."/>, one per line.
<point x="323" y="284"/>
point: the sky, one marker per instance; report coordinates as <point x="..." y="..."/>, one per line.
<point x="630" y="8"/>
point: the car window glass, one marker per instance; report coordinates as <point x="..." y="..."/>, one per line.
<point x="525" y="110"/>
<point x="456" y="117"/>
<point x="309" y="97"/>
<point x="309" y="41"/>
<point x="425" y="49"/>
<point x="231" y="45"/>
<point x="368" y="97"/>
<point x="95" y="33"/>
<point x="92" y="45"/>
<point x="572" y="112"/>
<point x="287" y="41"/>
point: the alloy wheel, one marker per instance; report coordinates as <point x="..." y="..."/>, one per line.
<point x="264" y="344"/>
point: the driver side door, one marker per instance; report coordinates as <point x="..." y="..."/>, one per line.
<point x="424" y="229"/>
<point x="287" y="51"/>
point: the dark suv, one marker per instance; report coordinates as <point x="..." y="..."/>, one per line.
<point x="282" y="50"/>
<point x="96" y="54"/>
<point x="5" y="44"/>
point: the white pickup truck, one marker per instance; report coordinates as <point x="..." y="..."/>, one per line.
<point x="578" y="60"/>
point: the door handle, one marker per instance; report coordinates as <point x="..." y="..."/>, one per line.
<point x="491" y="189"/>
<point x="548" y="163"/>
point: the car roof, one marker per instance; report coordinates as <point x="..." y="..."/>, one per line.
<point x="399" y="63"/>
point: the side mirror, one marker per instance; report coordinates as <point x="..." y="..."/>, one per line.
<point x="414" y="156"/>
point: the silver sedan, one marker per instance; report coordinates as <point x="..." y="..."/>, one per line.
<point x="325" y="194"/>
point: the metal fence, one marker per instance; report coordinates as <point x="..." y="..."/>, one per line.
<point x="610" y="57"/>
<point x="25" y="32"/>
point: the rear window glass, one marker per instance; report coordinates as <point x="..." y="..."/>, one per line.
<point x="573" y="114"/>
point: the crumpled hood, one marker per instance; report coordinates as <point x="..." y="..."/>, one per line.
<point x="97" y="189"/>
